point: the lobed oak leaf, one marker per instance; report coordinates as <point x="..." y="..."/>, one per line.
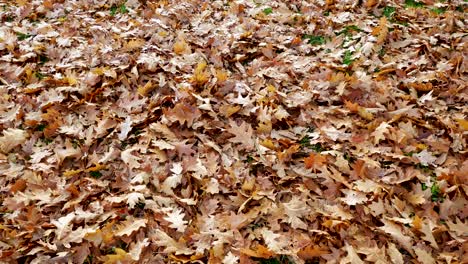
<point x="395" y="256"/>
<point x="133" y="198"/>
<point x="129" y="226"/>
<point x="125" y="128"/>
<point x="137" y="247"/>
<point x="423" y="256"/>
<point x="176" y="218"/>
<point x="277" y="243"/>
<point x="459" y="228"/>
<point x="352" y="256"/>
<point x="183" y="113"/>
<point x="243" y="134"/>
<point x="230" y="259"/>
<point x="161" y="239"/>
<point x="173" y="180"/>
<point x="353" y="197"/>
<point x="379" y="132"/>
<point x="294" y="210"/>
<point x="426" y="158"/>
<point x="395" y="231"/>
<point x="12" y="138"/>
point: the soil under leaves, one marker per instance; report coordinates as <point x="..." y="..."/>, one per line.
<point x="233" y="131"/>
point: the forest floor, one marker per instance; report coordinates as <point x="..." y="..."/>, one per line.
<point x="230" y="132"/>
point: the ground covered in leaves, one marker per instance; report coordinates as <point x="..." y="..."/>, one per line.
<point x="233" y="131"/>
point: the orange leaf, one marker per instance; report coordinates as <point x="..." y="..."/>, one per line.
<point x="310" y="252"/>
<point x="20" y="185"/>
<point x="314" y="161"/>
<point x="353" y="107"/>
<point x="258" y="252"/>
<point x="417" y="222"/>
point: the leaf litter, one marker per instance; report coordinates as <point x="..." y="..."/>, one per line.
<point x="233" y="132"/>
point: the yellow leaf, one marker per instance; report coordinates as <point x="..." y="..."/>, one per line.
<point x="134" y="44"/>
<point x="119" y="255"/>
<point x="365" y="114"/>
<point x="271" y="88"/>
<point x="145" y="90"/>
<point x="221" y="75"/>
<point x="97" y="167"/>
<point x="95" y="237"/>
<point x="71" y="173"/>
<point x="229" y="110"/>
<point x="200" y="76"/>
<point x="268" y="144"/>
<point x="264" y="127"/>
<point x="180" y="47"/>
<point x="248" y="184"/>
<point x="463" y="124"/>
<point x="258" y="252"/>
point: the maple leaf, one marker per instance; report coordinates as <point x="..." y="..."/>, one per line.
<point x="315" y="161"/>
<point x="176" y="218"/>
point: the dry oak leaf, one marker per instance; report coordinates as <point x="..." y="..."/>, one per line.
<point x="424" y="257"/>
<point x="259" y="251"/>
<point x="314" y="161"/>
<point x="129" y="226"/>
<point x="161" y="239"/>
<point x="176" y="218"/>
<point x="243" y="134"/>
<point x="352" y="256"/>
<point x="183" y="112"/>
<point x="380" y="131"/>
<point x="395" y="231"/>
<point x="12" y="138"/>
